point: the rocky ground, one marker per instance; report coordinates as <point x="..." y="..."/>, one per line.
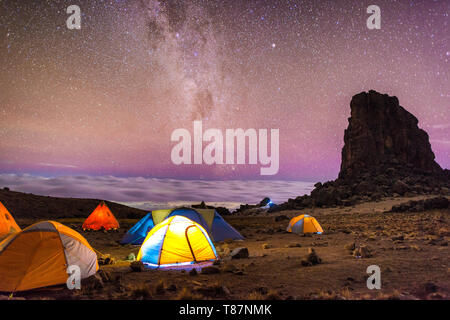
<point x="411" y="248"/>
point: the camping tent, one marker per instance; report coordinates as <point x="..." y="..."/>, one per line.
<point x="7" y="223"/>
<point x="304" y="224"/>
<point x="177" y="241"/>
<point x="39" y="256"/>
<point x="209" y="219"/>
<point x="100" y="218"/>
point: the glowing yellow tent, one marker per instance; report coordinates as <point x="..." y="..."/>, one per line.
<point x="304" y="224"/>
<point x="7" y="223"/>
<point x="39" y="256"/>
<point x="177" y="241"/>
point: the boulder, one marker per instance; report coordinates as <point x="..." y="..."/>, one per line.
<point x="239" y="253"/>
<point x="105" y="275"/>
<point x="362" y="252"/>
<point x="281" y="217"/>
<point x="193" y="272"/>
<point x="311" y="259"/>
<point x="93" y="282"/>
<point x="400" y="187"/>
<point x="422" y="205"/>
<point x="229" y="268"/>
<point x="137" y="266"/>
<point x="210" y="270"/>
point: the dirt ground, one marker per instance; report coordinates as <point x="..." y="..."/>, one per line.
<point x="411" y="250"/>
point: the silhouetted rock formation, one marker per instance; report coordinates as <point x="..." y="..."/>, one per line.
<point x="385" y="154"/>
<point x="382" y="134"/>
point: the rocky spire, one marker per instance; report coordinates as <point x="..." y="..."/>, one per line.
<point x="382" y="134"/>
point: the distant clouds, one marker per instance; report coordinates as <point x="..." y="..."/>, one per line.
<point x="57" y="165"/>
<point x="138" y="189"/>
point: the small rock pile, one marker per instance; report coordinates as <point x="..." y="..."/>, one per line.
<point x="311" y="259"/>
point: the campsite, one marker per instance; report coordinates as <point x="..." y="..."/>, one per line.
<point x="410" y="248"/>
<point x="244" y="151"/>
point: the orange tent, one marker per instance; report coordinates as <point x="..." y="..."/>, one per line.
<point x="100" y="218"/>
<point x="7" y="223"/>
<point x="39" y="256"/>
<point x="304" y="224"/>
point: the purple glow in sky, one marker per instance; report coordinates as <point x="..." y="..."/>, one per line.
<point x="104" y="100"/>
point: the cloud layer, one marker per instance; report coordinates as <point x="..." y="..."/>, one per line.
<point x="152" y="192"/>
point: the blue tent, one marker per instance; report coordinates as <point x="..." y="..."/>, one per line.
<point x="138" y="232"/>
<point x="221" y="230"/>
<point x="214" y="224"/>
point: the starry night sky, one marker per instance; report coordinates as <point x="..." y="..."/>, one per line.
<point x="104" y="100"/>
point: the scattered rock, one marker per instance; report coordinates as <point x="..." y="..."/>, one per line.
<point x="436" y="296"/>
<point x="430" y="287"/>
<point x="220" y="210"/>
<point x="93" y="282"/>
<point x="319" y="244"/>
<point x="214" y="290"/>
<point x="350" y="246"/>
<point x="400" y="237"/>
<point x="210" y="270"/>
<point x="267" y="246"/>
<point x="294" y="245"/>
<point x="137" y="266"/>
<point x="362" y="252"/>
<point x="281" y="217"/>
<point x="400" y="187"/>
<point x="422" y="205"/>
<point x="105" y="275"/>
<point x="229" y="268"/>
<point x="193" y="272"/>
<point x="262" y="290"/>
<point x="160" y="287"/>
<point x="311" y="259"/>
<point x="239" y="253"/>
<point x="172" y="288"/>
